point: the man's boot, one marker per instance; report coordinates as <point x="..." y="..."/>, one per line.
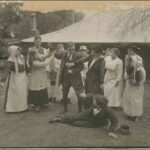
<point x="79" y="106"/>
<point x="65" y="107"/>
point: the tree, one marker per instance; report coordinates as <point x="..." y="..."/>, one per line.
<point x="46" y="22"/>
<point x="14" y="20"/>
<point x="128" y="21"/>
<point x="10" y="13"/>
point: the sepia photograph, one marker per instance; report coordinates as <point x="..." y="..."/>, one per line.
<point x="74" y="74"/>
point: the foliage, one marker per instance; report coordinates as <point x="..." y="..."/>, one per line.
<point x="13" y="19"/>
<point x="10" y="13"/>
<point x="132" y="20"/>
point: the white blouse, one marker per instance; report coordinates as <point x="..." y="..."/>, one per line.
<point x="38" y="78"/>
<point x="114" y="69"/>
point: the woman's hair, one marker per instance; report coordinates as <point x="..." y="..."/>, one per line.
<point x="37" y="37"/>
<point x="60" y="46"/>
<point x="116" y="50"/>
<point x="101" y="100"/>
<point x="97" y="48"/>
<point x="130" y="67"/>
<point x="134" y="48"/>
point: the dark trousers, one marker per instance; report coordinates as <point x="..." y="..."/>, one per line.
<point x="87" y="103"/>
<point x="91" y="88"/>
<point x="79" y="120"/>
<point x="77" y="85"/>
<point x="73" y="118"/>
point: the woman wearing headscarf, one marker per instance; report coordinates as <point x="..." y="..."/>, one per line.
<point x="37" y="80"/>
<point x="113" y="78"/>
<point x="134" y="89"/>
<point x="16" y="87"/>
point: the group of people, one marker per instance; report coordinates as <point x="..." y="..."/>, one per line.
<point x="99" y="82"/>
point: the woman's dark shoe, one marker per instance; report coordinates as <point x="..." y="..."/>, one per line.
<point x="116" y="108"/>
<point x="55" y="120"/>
<point x="31" y="107"/>
<point x="136" y="119"/>
<point x="68" y="101"/>
<point x="50" y="99"/>
<point x="45" y="106"/>
<point x="37" y="109"/>
<point x="63" y="112"/>
<point x="128" y="117"/>
<point x="61" y="101"/>
<point x="54" y="100"/>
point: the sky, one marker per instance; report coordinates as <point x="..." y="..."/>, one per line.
<point x="83" y="5"/>
<point x="86" y="6"/>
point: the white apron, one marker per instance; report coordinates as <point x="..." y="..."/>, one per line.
<point x="113" y="93"/>
<point x="16" y="94"/>
<point x="133" y="97"/>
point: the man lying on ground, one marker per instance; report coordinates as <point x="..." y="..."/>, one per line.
<point x="97" y="116"/>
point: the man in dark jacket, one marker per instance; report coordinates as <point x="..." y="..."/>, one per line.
<point x="70" y="76"/>
<point x="98" y="115"/>
<point x="95" y="74"/>
<point x="96" y="69"/>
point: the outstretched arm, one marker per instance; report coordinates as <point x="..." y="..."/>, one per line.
<point x="83" y="59"/>
<point x="78" y="68"/>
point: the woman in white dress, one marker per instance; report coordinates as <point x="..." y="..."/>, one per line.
<point x="134" y="89"/>
<point x="113" y="79"/>
<point x="16" y="85"/>
<point x="54" y="67"/>
<point x="108" y="53"/>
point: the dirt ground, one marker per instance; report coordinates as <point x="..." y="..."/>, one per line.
<point x="30" y="129"/>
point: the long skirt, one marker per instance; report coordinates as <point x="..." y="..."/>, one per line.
<point x="112" y="93"/>
<point x="133" y="100"/>
<point x="39" y="97"/>
<point x="16" y="93"/>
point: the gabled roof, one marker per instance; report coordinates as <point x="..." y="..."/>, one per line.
<point x="104" y="27"/>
